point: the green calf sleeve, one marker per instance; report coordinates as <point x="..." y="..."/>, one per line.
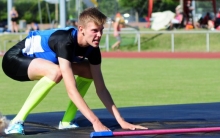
<point x="39" y="91"/>
<point x="82" y="85"/>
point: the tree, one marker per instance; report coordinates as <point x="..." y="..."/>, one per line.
<point x="141" y="6"/>
<point x="106" y="7"/>
<point x="3" y="11"/>
<point x="27" y="10"/>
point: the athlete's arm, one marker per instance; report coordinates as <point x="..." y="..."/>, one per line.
<point x="70" y="83"/>
<point x="106" y="98"/>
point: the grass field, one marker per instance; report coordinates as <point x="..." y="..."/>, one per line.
<point x="132" y="82"/>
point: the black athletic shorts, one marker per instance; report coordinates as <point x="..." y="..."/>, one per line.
<point x="15" y="19"/>
<point x="15" y="64"/>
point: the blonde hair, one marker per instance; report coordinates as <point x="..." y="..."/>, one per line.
<point x="92" y="15"/>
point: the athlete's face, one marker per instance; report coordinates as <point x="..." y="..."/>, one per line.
<point x="92" y="34"/>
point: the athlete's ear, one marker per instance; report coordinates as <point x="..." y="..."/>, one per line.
<point x="81" y="30"/>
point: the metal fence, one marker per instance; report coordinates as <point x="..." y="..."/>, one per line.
<point x="172" y="36"/>
<point x="107" y="32"/>
<point x="14" y="39"/>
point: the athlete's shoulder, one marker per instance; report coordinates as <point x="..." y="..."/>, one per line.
<point x="50" y="31"/>
<point x="66" y="29"/>
<point x="62" y="37"/>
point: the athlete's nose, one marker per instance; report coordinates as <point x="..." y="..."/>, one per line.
<point x="99" y="33"/>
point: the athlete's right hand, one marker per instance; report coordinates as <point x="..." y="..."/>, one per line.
<point x="98" y="126"/>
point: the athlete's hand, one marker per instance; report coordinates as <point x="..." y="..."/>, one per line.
<point x="126" y="125"/>
<point x="98" y="126"/>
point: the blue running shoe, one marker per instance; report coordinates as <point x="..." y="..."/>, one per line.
<point x="17" y="127"/>
<point x="71" y="125"/>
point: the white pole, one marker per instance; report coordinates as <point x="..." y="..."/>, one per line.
<point x="107" y="41"/>
<point x="207" y="42"/>
<point x="39" y="9"/>
<point x="9" y="7"/>
<point x="194" y="11"/>
<point x="62" y="13"/>
<point x="56" y="12"/>
<point x="139" y="42"/>
<point x="172" y="42"/>
<point x="109" y="22"/>
<point x="76" y="7"/>
<point x="48" y="12"/>
<point x="79" y="7"/>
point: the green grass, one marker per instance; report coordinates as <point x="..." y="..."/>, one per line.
<point x="131" y="82"/>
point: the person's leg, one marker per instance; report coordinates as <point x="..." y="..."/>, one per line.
<point x="83" y="82"/>
<point x="117" y="44"/>
<point x="16" y="27"/>
<point x="48" y="75"/>
<point x="12" y="27"/>
<point x="211" y="25"/>
<point x="83" y="85"/>
<point x="39" y="91"/>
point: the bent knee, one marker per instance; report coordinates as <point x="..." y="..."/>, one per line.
<point x="55" y="74"/>
<point x="82" y="69"/>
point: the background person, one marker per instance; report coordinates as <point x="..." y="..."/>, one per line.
<point x="118" y="23"/>
<point x="188" y="13"/>
<point x="33" y="27"/>
<point x="14" y="18"/>
<point x="52" y="55"/>
<point x="177" y="20"/>
<point x="206" y="22"/>
<point x="217" y="20"/>
<point x="72" y="23"/>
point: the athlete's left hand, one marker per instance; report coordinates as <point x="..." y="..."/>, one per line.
<point x="126" y="125"/>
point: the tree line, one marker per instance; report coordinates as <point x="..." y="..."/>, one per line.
<point x="29" y="9"/>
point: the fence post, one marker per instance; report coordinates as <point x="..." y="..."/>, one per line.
<point x="207" y="41"/>
<point x="139" y="42"/>
<point x="172" y="42"/>
<point x="107" y="42"/>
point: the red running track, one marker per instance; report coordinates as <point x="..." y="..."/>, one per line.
<point x="207" y="55"/>
<point x="161" y="54"/>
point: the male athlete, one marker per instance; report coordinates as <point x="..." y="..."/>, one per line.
<point x="52" y="55"/>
